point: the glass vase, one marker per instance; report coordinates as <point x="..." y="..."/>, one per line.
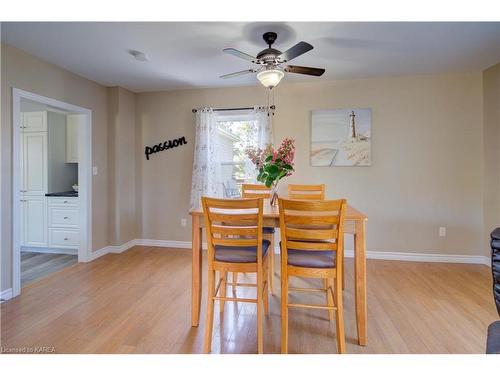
<point x="274" y="195"/>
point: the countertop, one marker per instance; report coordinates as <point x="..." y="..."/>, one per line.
<point x="70" y="193"/>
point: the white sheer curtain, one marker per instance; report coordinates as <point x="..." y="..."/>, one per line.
<point x="206" y="164"/>
<point x="263" y="122"/>
<point x="264" y="136"/>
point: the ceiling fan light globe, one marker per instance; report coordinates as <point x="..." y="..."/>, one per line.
<point x="270" y="78"/>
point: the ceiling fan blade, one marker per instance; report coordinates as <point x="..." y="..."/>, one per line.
<point x="240" y="73"/>
<point x="242" y="55"/>
<point x="304" y="70"/>
<point x="297" y="50"/>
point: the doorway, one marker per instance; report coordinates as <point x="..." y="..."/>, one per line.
<point x="52" y="174"/>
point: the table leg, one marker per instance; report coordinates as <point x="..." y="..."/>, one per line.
<point x="360" y="280"/>
<point x="196" y="272"/>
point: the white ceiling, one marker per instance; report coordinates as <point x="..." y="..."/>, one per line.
<point x="189" y="54"/>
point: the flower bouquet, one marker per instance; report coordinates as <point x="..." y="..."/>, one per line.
<point x="273" y="164"/>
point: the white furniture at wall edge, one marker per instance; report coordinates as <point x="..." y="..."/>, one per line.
<point x="73" y="122"/>
<point x="34" y="179"/>
<point x="64" y="222"/>
<point x="34" y="225"/>
<point x="34" y="165"/>
<point x="34" y="121"/>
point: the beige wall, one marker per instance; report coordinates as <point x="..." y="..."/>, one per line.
<point x="427" y="168"/>
<point x="491" y="105"/>
<point x="121" y="150"/>
<point x="26" y="72"/>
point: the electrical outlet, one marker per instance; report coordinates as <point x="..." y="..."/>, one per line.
<point x="183" y="222"/>
<point x="442" y="231"/>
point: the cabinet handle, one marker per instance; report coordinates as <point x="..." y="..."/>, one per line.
<point x="65" y="202"/>
<point x="65" y="238"/>
<point x="66" y="218"/>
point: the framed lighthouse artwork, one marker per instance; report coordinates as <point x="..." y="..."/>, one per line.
<point x="341" y="137"/>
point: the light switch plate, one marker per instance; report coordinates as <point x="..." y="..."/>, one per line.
<point x="94" y="171"/>
<point x="442" y="231"/>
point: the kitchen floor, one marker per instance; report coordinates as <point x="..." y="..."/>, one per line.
<point x="35" y="266"/>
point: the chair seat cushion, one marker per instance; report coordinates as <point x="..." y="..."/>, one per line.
<point x="493" y="341"/>
<point x="311" y="259"/>
<point x="239" y="254"/>
<point x="268" y="230"/>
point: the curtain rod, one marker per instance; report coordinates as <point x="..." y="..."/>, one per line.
<point x="194" y="110"/>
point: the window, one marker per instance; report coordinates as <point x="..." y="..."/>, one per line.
<point x="220" y="165"/>
<point x="235" y="132"/>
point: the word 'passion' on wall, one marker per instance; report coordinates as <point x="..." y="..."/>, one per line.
<point x="164" y="146"/>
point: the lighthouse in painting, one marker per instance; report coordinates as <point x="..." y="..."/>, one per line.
<point x="352" y="127"/>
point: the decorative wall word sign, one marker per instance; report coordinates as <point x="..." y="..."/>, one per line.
<point x="165" y="146"/>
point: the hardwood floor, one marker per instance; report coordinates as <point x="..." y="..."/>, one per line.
<point x="139" y="302"/>
<point x="34" y="266"/>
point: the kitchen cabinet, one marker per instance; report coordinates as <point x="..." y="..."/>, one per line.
<point x="72" y="124"/>
<point x="34" y="226"/>
<point x="34" y="121"/>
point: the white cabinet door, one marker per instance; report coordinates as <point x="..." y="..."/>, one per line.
<point x="35" y="221"/>
<point x="73" y="123"/>
<point x="34" y="163"/>
<point x="34" y="121"/>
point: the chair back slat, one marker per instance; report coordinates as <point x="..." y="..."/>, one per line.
<point x="233" y="219"/>
<point x="234" y="242"/>
<point x="311" y="233"/>
<point x="298" y="245"/>
<point x="306" y="192"/>
<point x="234" y="223"/>
<point x="227" y="230"/>
<point x="255" y="191"/>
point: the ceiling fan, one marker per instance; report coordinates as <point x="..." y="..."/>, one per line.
<point x="273" y="63"/>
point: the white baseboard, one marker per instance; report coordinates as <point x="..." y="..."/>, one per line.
<point x="49" y="250"/>
<point x="423" y="257"/>
<point x="164" y="243"/>
<point x="112" y="249"/>
<point x="5" y="295"/>
<point x="382" y="255"/>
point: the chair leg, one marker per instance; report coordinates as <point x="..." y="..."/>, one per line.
<point x="210" y="312"/>
<point x="284" y="310"/>
<point x="339" y="317"/>
<point x="223" y="287"/>
<point x="260" y="312"/>
<point x="235" y="281"/>
<point x="343" y="274"/>
<point x="329" y="297"/>
<point x="271" y="264"/>
<point x="266" y="282"/>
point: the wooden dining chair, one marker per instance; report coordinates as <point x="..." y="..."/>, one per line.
<point x="312" y="245"/>
<point x="235" y="244"/>
<point x="306" y="192"/>
<point x="261" y="191"/>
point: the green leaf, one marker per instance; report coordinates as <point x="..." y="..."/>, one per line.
<point x="269" y="181"/>
<point x="288" y="167"/>
<point x="272" y="170"/>
<point x="269" y="158"/>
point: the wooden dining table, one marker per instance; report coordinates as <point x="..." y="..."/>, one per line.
<point x="354" y="224"/>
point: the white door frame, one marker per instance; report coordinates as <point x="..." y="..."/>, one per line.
<point x="84" y="179"/>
